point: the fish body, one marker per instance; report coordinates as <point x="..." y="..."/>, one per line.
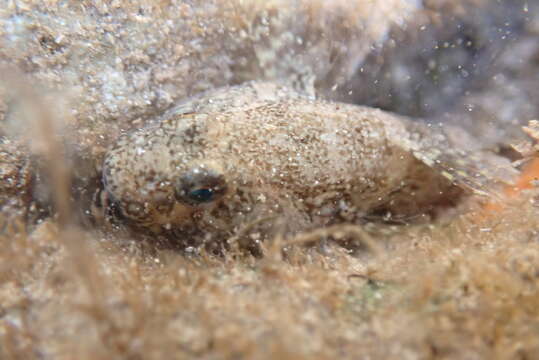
<point x="258" y="150"/>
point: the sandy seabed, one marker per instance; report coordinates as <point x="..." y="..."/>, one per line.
<point x="463" y="288"/>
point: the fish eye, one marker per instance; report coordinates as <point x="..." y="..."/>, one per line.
<point x="201" y="195"/>
<point x="200" y="185"/>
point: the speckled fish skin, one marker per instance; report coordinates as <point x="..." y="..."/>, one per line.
<point x="266" y="151"/>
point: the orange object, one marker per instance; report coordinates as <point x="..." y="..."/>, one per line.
<point x="529" y="174"/>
